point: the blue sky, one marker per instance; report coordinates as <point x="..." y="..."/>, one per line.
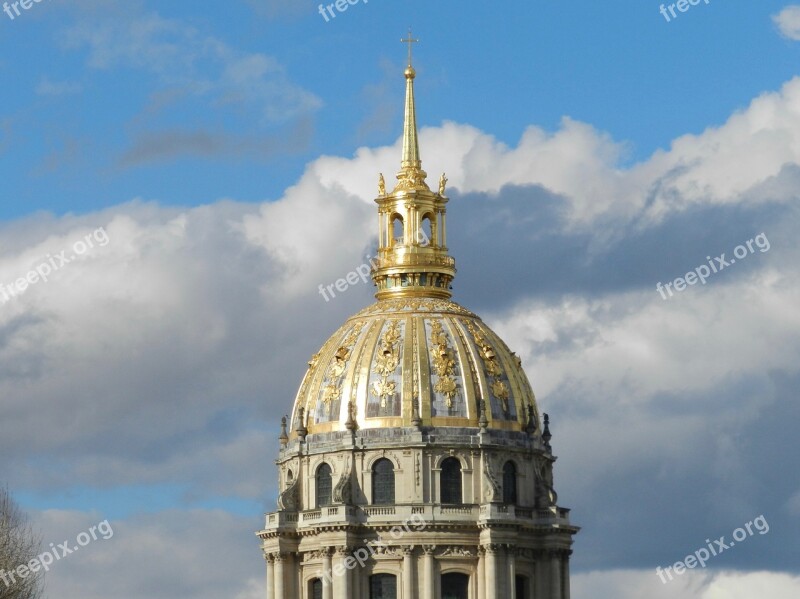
<point x="497" y="69"/>
<point x="230" y="150"/>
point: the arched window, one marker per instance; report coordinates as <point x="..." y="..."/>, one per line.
<point x="425" y="237"/>
<point x="383" y="586"/>
<point x="450" y="480"/>
<point x="455" y="586"/>
<point x="398" y="229"/>
<point x="315" y="592"/>
<point x="383" y="482"/>
<point x="324" y="485"/>
<point x="510" y="483"/>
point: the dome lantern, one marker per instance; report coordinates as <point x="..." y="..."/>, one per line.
<point x="412" y="233"/>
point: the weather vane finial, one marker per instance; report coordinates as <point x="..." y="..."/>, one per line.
<point x="409" y="41"/>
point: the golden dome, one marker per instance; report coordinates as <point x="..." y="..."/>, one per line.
<point x="414" y="358"/>
<point x="414" y="362"/>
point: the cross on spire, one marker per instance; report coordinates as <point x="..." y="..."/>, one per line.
<point x="409" y="41"/>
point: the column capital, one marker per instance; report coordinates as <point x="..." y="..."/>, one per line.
<point x="429" y="549"/>
<point x="408" y="550"/>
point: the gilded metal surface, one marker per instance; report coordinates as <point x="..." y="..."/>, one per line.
<point x="444" y="363"/>
<point x="386" y="363"/>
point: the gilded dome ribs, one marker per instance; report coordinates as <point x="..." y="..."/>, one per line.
<point x="446" y="378"/>
<point x="496" y="376"/>
<point x="384" y="392"/>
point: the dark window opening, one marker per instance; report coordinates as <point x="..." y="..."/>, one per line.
<point x="324" y="485"/>
<point x="383" y="586"/>
<point x="510" y="483"/>
<point x="522" y="587"/>
<point x="451" y="481"/>
<point x="455" y="586"/>
<point x="383" y="482"/>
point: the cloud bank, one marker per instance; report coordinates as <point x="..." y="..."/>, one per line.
<point x="167" y="356"/>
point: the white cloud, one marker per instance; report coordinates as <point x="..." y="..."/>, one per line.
<point x="169" y="354"/>
<point x="788" y="22"/>
<point x="694" y="584"/>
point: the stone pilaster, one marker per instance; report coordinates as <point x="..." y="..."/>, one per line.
<point x="428" y="578"/>
<point x="408" y="573"/>
<point x="492" y="572"/>
<point x="481" y="573"/>
<point x="511" y="556"/>
<point x="555" y="574"/>
<point x="565" y="574"/>
<point x="280" y="576"/>
<point x="342" y="586"/>
<point x="270" y="559"/>
<point x="327" y="574"/>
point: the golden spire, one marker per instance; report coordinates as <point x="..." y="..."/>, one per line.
<point x="412" y="241"/>
<point x="411" y="158"/>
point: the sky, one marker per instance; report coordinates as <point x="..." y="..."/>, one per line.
<point x="180" y="177"/>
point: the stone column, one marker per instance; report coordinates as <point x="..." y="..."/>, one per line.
<point x="270" y="575"/>
<point x="511" y="552"/>
<point x="491" y="572"/>
<point x="539" y="574"/>
<point x="481" y="573"/>
<point x="565" y="574"/>
<point x="408" y="573"/>
<point x="279" y="575"/>
<point x="555" y="575"/>
<point x="342" y="585"/>
<point x="428" y="578"/>
<point x="293" y="585"/>
<point x="327" y="574"/>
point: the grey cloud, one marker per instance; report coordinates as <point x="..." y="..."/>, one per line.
<point x="283" y="8"/>
<point x="160" y="146"/>
<point x="519" y="242"/>
<point x="163" y="555"/>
